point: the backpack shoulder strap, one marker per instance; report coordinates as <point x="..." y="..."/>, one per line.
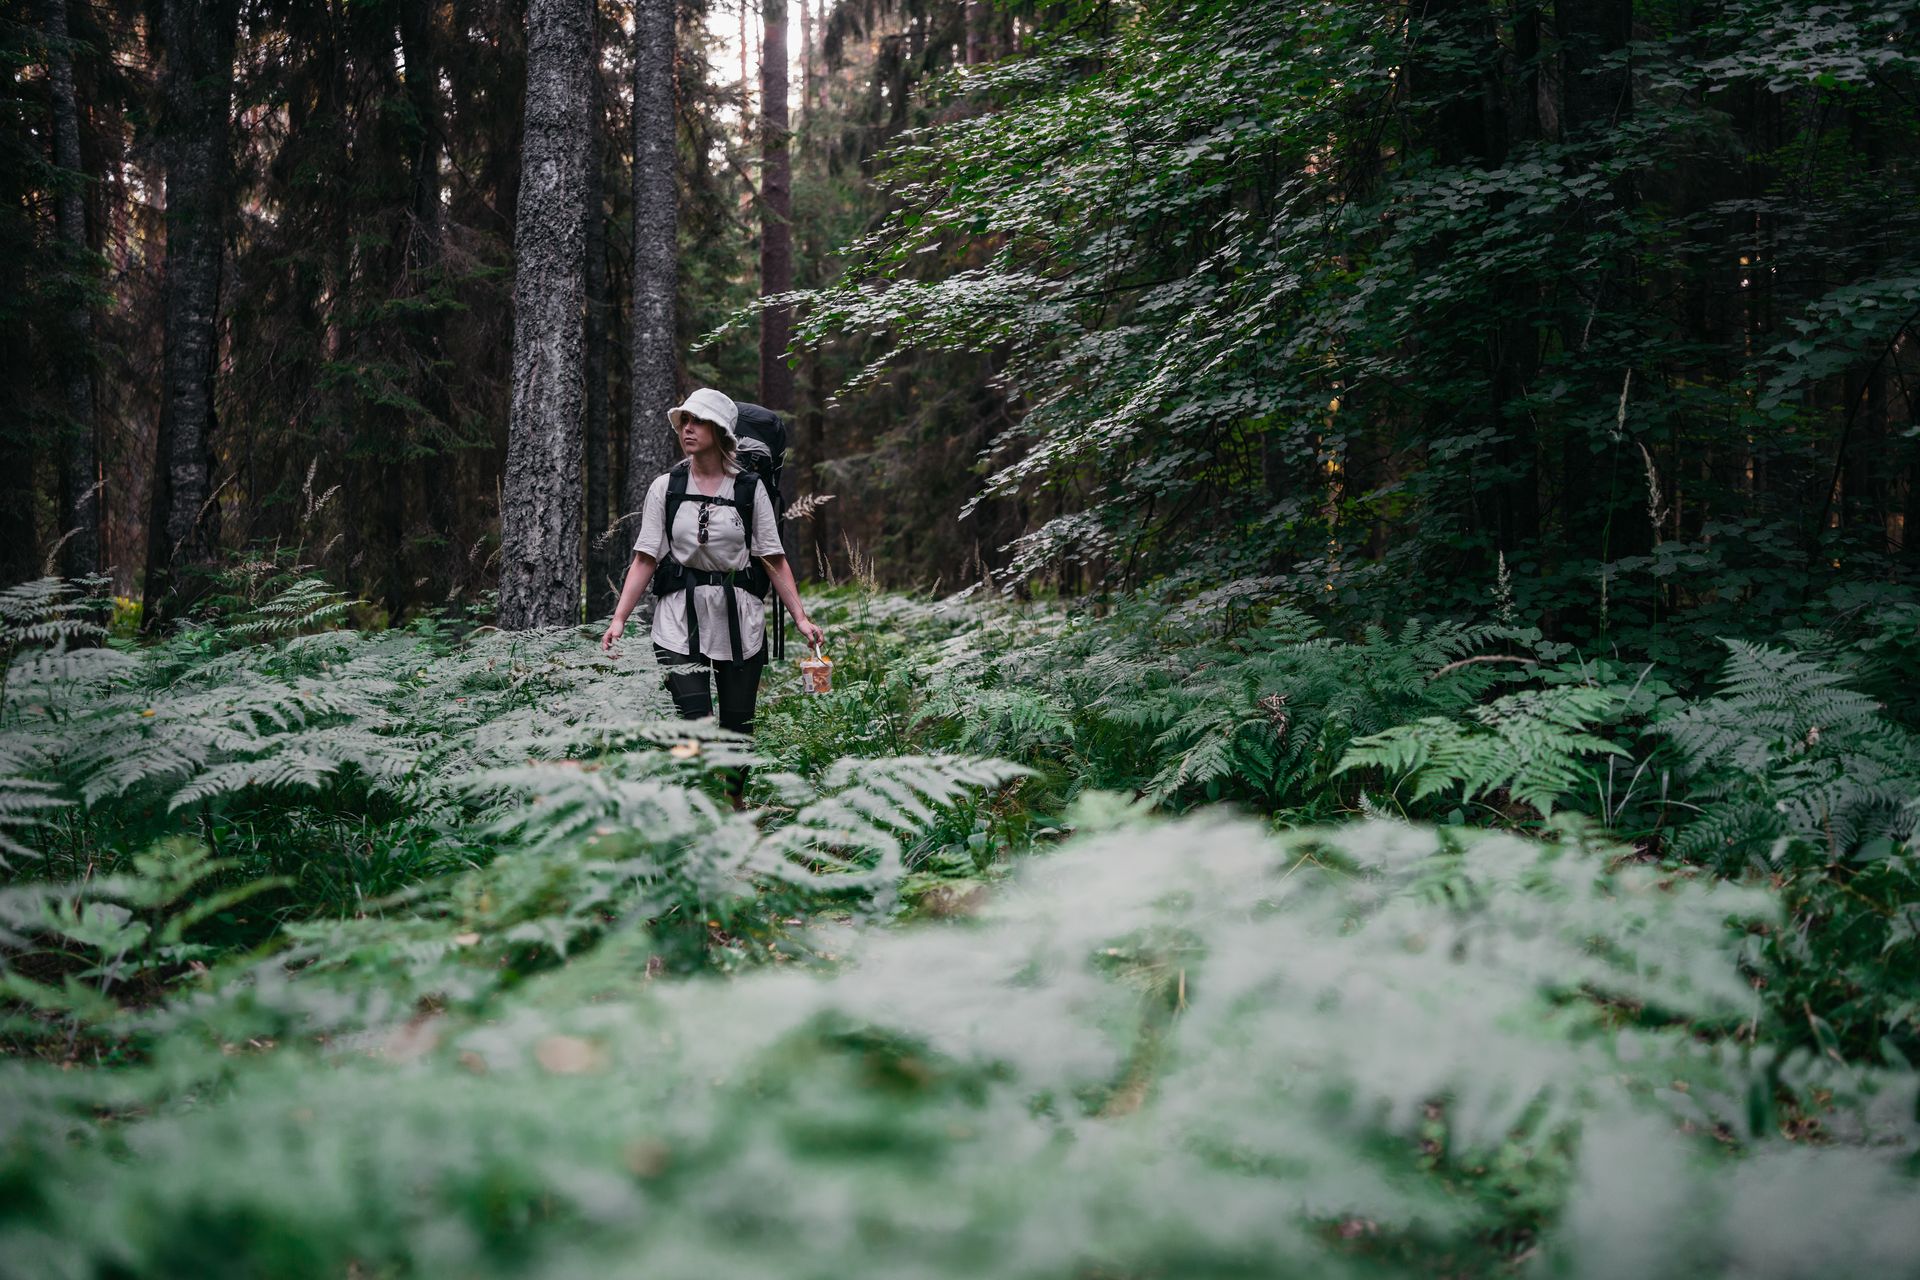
<point x="676" y="494"/>
<point x="743" y="499"/>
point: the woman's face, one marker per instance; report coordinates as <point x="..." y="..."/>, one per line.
<point x="696" y="435"/>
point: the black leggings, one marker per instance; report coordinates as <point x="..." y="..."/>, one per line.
<point x="738" y="682"/>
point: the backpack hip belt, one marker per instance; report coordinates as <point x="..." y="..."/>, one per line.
<point x="731" y="582"/>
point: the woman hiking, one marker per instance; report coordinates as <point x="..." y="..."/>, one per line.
<point x="705" y="523"/>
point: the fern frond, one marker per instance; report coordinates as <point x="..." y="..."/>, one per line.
<point x="864" y="808"/>
<point x="24" y="805"/>
<point x="304" y="605"/>
<point x="1531" y="745"/>
<point x="1786" y="750"/>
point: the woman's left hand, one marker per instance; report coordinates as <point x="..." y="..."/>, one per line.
<point x="815" y="636"/>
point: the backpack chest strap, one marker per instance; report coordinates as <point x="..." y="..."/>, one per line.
<point x="742" y="499"/>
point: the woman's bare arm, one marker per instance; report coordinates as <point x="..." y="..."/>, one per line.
<point x="639" y="574"/>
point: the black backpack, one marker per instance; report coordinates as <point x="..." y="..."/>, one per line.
<point x="762" y="436"/>
<point x="762" y="449"/>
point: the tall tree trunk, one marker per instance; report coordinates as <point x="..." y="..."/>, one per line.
<point x="806" y="58"/>
<point x="776" y="212"/>
<point x="79" y="458"/>
<point x="19" y="546"/>
<point x="601" y="559"/>
<point x="197" y="38"/>
<point x="1470" y="132"/>
<point x="386" y="153"/>
<point x="979" y="14"/>
<point x="655" y="379"/>
<point x="746" y="69"/>
<point x="1593" y="79"/>
<point x="332" y="232"/>
<point x="540" y="563"/>
<point x="1591" y="35"/>
<point x="1509" y="102"/>
<point x="436" y="479"/>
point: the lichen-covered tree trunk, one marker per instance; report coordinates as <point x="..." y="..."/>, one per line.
<point x="776" y="211"/>
<point x="540" y="517"/>
<point x="603" y="556"/>
<point x="196" y="39"/>
<point x="656" y="360"/>
<point x="79" y="458"/>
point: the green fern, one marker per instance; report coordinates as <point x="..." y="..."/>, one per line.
<point x="24" y="805"/>
<point x="1267" y="717"/>
<point x="1533" y="746"/>
<point x="114" y="929"/>
<point x="52" y="611"/>
<point x="307" y="604"/>
<point x="1786" y="752"/>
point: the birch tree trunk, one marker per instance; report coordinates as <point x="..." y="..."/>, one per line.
<point x="656" y="213"/>
<point x="776" y="211"/>
<point x="540" y="562"/>
<point x="79" y="521"/>
<point x="197" y="38"/>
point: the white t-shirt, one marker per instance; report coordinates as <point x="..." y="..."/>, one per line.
<point x="724" y="549"/>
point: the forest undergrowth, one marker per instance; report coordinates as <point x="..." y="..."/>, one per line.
<point x="1199" y="937"/>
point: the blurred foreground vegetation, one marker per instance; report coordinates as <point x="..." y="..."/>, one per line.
<point x="441" y="951"/>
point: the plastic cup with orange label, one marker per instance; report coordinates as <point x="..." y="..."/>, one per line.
<point x="816" y="673"/>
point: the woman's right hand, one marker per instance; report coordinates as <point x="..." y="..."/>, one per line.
<point x="615" y="632"/>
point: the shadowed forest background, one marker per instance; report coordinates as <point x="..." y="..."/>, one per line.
<point x="1362" y="298"/>
<point x="1368" y="550"/>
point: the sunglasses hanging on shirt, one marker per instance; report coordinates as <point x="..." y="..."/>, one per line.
<point x="706" y="509"/>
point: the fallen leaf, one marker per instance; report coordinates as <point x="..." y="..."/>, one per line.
<point x="566" y="1055"/>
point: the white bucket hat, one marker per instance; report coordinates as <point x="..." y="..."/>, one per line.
<point x="708" y="405"/>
